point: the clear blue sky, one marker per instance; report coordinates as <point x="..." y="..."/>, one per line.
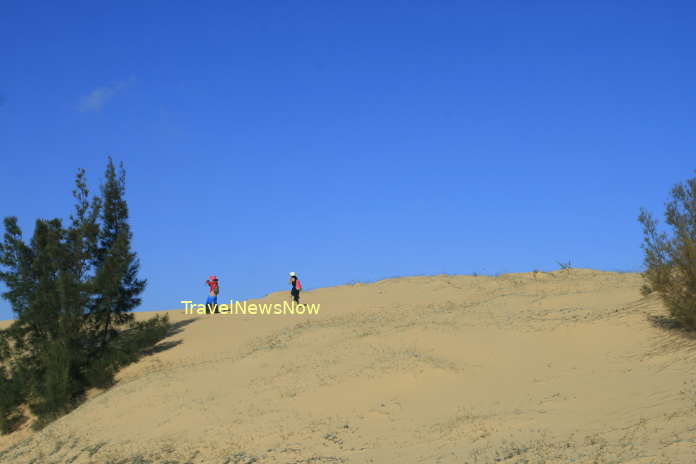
<point x="351" y="140"/>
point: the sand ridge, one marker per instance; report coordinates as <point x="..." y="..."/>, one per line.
<point x="534" y="367"/>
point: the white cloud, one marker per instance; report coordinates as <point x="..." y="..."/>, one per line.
<point x="97" y="98"/>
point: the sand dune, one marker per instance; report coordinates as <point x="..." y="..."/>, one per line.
<point x="522" y="368"/>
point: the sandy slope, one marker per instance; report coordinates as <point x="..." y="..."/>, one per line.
<point x="522" y="368"/>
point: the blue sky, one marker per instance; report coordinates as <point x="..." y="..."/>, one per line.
<point x="351" y="140"/>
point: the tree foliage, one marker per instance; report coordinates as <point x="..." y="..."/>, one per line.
<point x="73" y="289"/>
<point x="670" y="257"/>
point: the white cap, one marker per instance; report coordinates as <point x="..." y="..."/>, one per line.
<point x="292" y="274"/>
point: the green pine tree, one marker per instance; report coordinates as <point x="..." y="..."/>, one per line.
<point x="116" y="284"/>
<point x="73" y="290"/>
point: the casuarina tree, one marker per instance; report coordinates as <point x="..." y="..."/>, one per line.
<point x="117" y="286"/>
<point x="73" y="289"/>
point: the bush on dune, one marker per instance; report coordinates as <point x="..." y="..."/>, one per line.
<point x="670" y="258"/>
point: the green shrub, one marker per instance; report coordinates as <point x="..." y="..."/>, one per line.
<point x="10" y="401"/>
<point x="670" y="258"/>
<point x="126" y="347"/>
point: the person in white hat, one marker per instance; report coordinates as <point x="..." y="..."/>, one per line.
<point x="295" y="288"/>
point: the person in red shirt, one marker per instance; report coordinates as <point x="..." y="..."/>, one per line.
<point x="214" y="289"/>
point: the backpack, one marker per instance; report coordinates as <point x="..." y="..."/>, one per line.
<point x="213" y="284"/>
<point x="298" y="285"/>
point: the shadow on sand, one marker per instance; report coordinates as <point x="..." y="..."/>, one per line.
<point x="174" y="329"/>
<point x="672" y="325"/>
<point x="178" y="327"/>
